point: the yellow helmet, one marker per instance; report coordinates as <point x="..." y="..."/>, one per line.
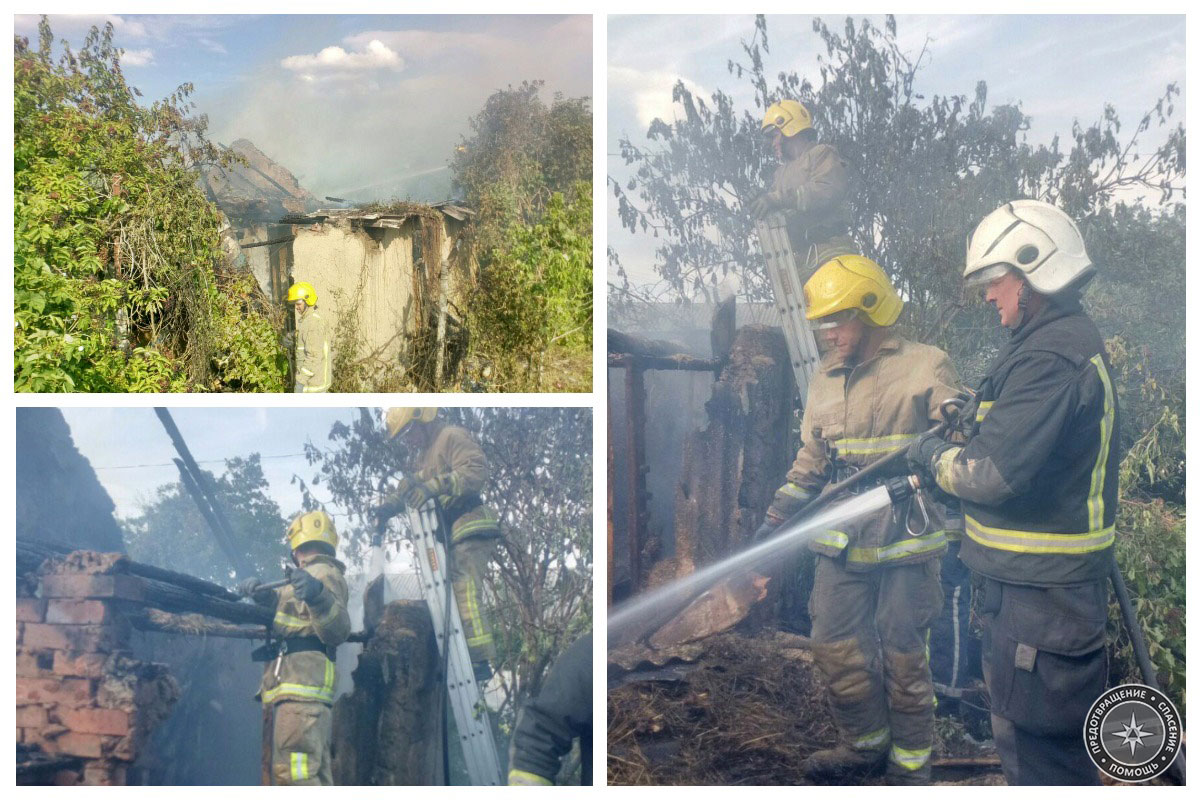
<point x="788" y="117"/>
<point x="397" y="419"/>
<point x="314" y="526"/>
<point x="854" y="283"/>
<point x="302" y="290"/>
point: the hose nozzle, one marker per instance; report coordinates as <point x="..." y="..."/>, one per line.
<point x="902" y="487"/>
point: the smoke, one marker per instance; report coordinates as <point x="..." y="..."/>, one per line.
<point x="377" y="113"/>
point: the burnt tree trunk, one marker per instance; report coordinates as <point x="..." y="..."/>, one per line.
<point x="732" y="467"/>
<point x="388" y="731"/>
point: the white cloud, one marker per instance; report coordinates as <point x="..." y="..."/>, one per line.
<point x="333" y="61"/>
<point x="649" y="92"/>
<point x="72" y="25"/>
<point x="137" y="58"/>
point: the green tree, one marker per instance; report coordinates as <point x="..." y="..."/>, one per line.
<point x="116" y="279"/>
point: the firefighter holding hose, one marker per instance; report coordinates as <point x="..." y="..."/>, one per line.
<point x="310" y="622"/>
<point x="876" y="590"/>
<point x="1038" y="483"/>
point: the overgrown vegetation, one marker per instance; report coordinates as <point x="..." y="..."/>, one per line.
<point x="118" y="279"/>
<point x="526" y="170"/>
<point x="925" y="170"/>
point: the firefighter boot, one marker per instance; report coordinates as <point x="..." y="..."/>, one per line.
<point x="843" y="762"/>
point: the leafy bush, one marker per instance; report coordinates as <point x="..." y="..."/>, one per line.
<point x="536" y="290"/>
<point x="115" y="244"/>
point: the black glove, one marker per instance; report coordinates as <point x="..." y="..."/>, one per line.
<point x="765" y="531"/>
<point x="305" y="586"/>
<point x="415" y="493"/>
<point x="764" y="204"/>
<point x="923" y="452"/>
<point x="248" y="587"/>
<point x="385" y="511"/>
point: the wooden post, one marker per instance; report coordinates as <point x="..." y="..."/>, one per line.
<point x="443" y="293"/>
<point x="635" y="470"/>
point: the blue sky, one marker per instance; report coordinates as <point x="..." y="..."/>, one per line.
<point x="1061" y="69"/>
<point x="117" y="441"/>
<point x="350" y="104"/>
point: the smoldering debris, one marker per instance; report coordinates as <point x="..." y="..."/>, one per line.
<point x="741" y="709"/>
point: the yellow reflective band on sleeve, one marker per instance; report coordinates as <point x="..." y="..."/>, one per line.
<point x="1096" y="495"/>
<point x="288" y="621"/>
<point x="873" y="445"/>
<point x="299" y="766"/>
<point x="519" y="777"/>
<point x="910" y="759"/>
<point x="1039" y="541"/>
<point x="871" y="741"/>
<point x="832" y="539"/>
<point x="983" y="410"/>
<point x="792" y="490"/>
<point x="897" y="550"/>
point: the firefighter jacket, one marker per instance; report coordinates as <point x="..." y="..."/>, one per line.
<point x="308" y="674"/>
<point x="813" y="189"/>
<point x="314" y="364"/>
<point x="455" y="463"/>
<point x="854" y="416"/>
<point x="549" y="723"/>
<point x="1038" y="474"/>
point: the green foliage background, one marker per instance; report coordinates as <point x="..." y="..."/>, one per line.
<point x="118" y="285"/>
<point x="924" y="171"/>
<point x="526" y="170"/>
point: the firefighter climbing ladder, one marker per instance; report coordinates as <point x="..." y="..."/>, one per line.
<point x="466" y="700"/>
<point x="784" y="270"/>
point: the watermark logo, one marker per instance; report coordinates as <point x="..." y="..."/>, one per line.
<point x="1132" y="733"/>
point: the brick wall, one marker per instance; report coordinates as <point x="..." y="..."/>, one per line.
<point x="84" y="705"/>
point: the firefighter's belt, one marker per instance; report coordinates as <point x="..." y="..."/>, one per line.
<point x="461" y="505"/>
<point x="295" y="644"/>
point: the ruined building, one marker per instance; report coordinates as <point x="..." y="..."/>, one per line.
<point x="380" y="274"/>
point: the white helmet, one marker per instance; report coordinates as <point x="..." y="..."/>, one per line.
<point x="1032" y="236"/>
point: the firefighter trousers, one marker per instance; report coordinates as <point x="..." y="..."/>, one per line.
<point x="296" y="737"/>
<point x="469" y="560"/>
<point x="1044" y="663"/>
<point x="870" y="640"/>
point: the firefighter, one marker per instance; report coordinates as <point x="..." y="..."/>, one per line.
<point x="1038" y="482"/>
<point x="548" y="725"/>
<point x="876" y="588"/>
<point x="297" y="684"/>
<point x="314" y="364"/>
<point x="450" y="466"/>
<point x="809" y="188"/>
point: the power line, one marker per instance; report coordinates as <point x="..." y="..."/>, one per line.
<point x="198" y="461"/>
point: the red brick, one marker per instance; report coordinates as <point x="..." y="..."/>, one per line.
<point x="77" y="612"/>
<point x="31" y="717"/>
<point x="108" y="721"/>
<point x="73" y="637"/>
<point x="31" y="609"/>
<point x="88" y="745"/>
<point x="81" y="587"/>
<point x="86" y="665"/>
<point x="66" y="692"/>
<point x="35" y="663"/>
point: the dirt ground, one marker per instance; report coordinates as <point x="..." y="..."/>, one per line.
<point x="746" y="711"/>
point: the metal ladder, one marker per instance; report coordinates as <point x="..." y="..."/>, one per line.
<point x="466" y="700"/>
<point x="784" y="271"/>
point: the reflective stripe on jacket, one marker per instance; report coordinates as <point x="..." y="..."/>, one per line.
<point x="314" y="364"/>
<point x="866" y="412"/>
<point x="456" y="462"/>
<point x="1038" y="475"/>
<point x="308" y="675"/>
